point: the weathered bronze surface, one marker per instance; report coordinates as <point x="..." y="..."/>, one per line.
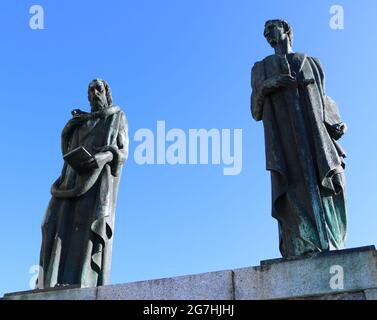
<point x="77" y="229"/>
<point x="301" y="126"/>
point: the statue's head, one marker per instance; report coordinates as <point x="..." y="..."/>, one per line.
<point x="99" y="95"/>
<point x="277" y="30"/>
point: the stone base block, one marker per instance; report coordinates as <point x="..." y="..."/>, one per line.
<point x="349" y="274"/>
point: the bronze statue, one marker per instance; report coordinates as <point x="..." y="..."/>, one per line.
<point x="77" y="230"/>
<point x="302" y="126"/>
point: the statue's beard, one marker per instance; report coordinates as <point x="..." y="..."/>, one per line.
<point x="98" y="103"/>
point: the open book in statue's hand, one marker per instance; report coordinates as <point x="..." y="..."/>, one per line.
<point x="78" y="158"/>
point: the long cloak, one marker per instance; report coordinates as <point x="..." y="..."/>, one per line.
<point x="77" y="229"/>
<point x="305" y="160"/>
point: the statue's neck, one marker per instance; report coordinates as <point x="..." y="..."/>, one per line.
<point x="283" y="48"/>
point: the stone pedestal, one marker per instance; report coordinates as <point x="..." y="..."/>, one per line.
<point x="349" y="274"/>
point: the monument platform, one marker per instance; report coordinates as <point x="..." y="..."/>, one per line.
<point x="349" y="274"/>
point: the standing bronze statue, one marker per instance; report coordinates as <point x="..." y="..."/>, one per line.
<point x="77" y="230"/>
<point x="301" y="126"/>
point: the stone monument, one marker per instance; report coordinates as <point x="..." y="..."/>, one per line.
<point x="301" y="128"/>
<point x="77" y="229"/>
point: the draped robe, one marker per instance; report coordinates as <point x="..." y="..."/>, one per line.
<point x="305" y="161"/>
<point x="77" y="229"/>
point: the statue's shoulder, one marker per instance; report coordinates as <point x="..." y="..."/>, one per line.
<point x="299" y="58"/>
<point x="265" y="60"/>
<point x="258" y="67"/>
<point x="122" y="116"/>
<point x="269" y="60"/>
<point x="301" y="55"/>
<point x="316" y="61"/>
<point x="118" y="110"/>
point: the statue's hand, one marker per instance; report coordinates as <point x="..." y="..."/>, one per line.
<point x="337" y="130"/>
<point x="342" y="128"/>
<point x="278" y="82"/>
<point x="98" y="160"/>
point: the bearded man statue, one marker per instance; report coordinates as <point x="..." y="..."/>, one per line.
<point x="77" y="230"/>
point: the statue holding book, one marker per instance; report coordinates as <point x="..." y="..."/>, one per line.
<point x="302" y="126"/>
<point x="77" y="229"/>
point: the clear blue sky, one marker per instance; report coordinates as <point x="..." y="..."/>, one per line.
<point x="188" y="63"/>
